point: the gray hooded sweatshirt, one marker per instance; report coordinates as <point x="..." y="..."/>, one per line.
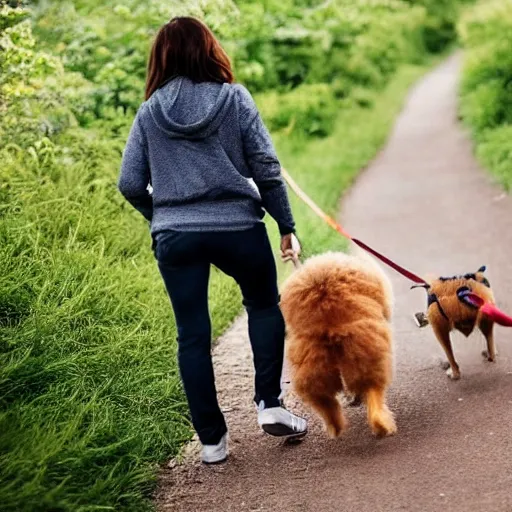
<point x="204" y="151"/>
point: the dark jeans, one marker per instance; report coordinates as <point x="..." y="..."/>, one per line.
<point x="184" y="260"/>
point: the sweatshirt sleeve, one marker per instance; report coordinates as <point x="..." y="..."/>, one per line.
<point x="134" y="177"/>
<point x="263" y="162"/>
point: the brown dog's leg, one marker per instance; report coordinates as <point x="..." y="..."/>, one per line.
<point x="329" y="409"/>
<point x="319" y="390"/>
<point x="380" y="417"/>
<point x="486" y="326"/>
<point x="443" y="335"/>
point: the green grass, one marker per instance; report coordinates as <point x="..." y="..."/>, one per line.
<point x="485" y="100"/>
<point x="90" y="398"/>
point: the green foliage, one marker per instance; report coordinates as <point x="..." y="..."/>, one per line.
<point x="308" y="109"/>
<point x="90" y="397"/>
<point x="486" y="87"/>
<point x="495" y="152"/>
<point x="275" y="45"/>
<point x="336" y="50"/>
<point x="37" y="96"/>
<point x="440" y="25"/>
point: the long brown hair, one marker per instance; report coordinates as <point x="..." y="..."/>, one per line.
<point x="186" y="47"/>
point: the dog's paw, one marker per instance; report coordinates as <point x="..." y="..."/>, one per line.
<point x="445" y="365"/>
<point x="486" y="356"/>
<point x="334" y="431"/>
<point x="384" y="427"/>
<point x="454" y="375"/>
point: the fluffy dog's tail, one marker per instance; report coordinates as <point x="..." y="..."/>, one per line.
<point x="379" y="416"/>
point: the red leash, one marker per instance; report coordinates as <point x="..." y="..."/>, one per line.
<point x="331" y="222"/>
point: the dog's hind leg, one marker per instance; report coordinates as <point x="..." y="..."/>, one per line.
<point x="329" y="409"/>
<point x="380" y="417"/>
<point x="443" y="336"/>
<point x="319" y="392"/>
<point x="486" y="327"/>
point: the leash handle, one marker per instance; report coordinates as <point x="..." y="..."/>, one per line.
<point x="294" y="258"/>
<point x="293" y="254"/>
<point x="296" y="248"/>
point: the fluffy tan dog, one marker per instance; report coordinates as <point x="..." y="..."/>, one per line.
<point x="337" y="309"/>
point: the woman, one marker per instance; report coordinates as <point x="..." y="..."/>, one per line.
<point x="200" y="143"/>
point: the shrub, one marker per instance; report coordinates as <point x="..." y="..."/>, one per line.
<point x="486" y="86"/>
<point x="440" y="25"/>
<point x="308" y="109"/>
<point x="495" y="152"/>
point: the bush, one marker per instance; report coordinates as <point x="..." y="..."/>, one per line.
<point x="310" y="109"/>
<point x="441" y="23"/>
<point x="340" y="51"/>
<point x="495" y="152"/>
<point x="486" y="86"/>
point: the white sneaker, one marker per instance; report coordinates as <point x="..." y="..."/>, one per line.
<point x="277" y="421"/>
<point x="215" y="453"/>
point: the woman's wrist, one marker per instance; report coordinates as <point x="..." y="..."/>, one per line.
<point x="286" y="230"/>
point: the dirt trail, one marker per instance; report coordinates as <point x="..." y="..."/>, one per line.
<point x="426" y="203"/>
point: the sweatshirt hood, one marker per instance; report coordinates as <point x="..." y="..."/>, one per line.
<point x="185" y="109"/>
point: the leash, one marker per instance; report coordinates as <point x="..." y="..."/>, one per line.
<point x="337" y="227"/>
<point x="488" y="309"/>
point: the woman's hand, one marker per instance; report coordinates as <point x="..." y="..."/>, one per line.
<point x="290" y="247"/>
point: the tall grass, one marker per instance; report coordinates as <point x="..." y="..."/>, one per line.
<point x="90" y="397"/>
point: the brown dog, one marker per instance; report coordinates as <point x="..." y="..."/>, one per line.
<point x="337" y="309"/>
<point x="449" y="310"/>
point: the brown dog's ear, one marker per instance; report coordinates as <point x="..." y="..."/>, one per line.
<point x="481" y="278"/>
